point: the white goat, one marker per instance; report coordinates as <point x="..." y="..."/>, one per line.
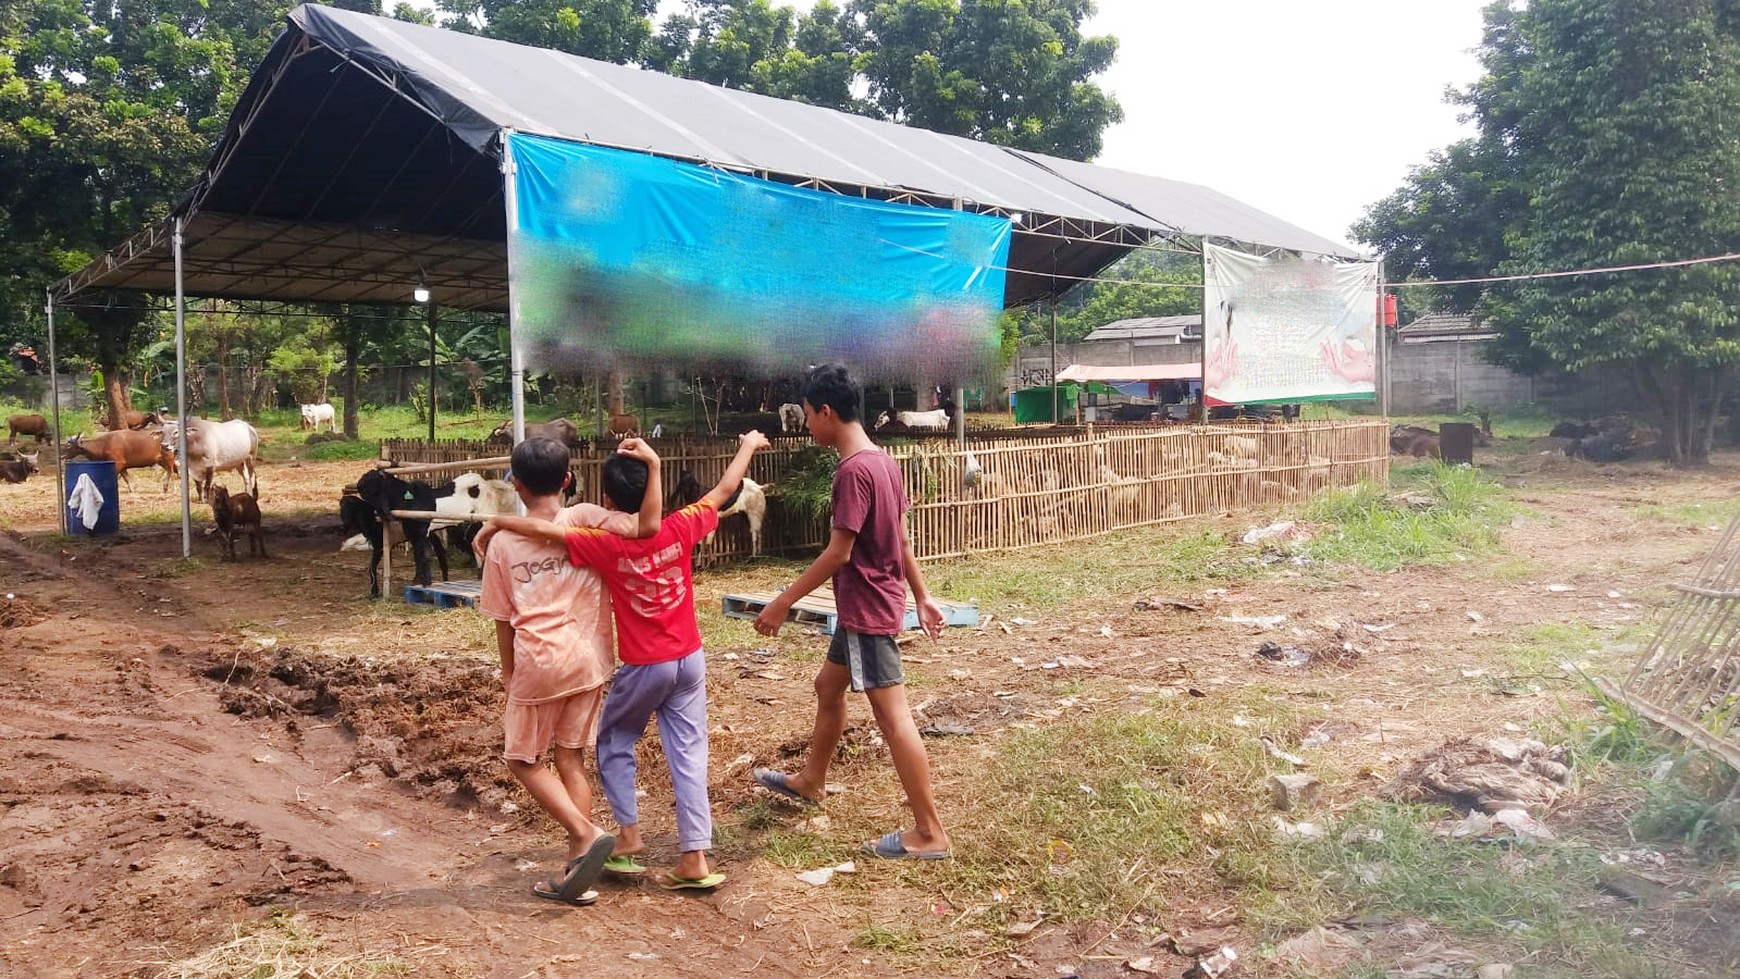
<point x="213" y="447"/>
<point x="791" y="418"/>
<point x="313" y="415"/>
<point x="752" y="503"/>
<point x="935" y="420"/>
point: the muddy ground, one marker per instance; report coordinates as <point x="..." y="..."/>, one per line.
<point x="187" y="746"/>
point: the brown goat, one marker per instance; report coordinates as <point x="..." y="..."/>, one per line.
<point x="234" y="514"/>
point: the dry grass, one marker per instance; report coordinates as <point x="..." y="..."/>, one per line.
<point x="281" y="948"/>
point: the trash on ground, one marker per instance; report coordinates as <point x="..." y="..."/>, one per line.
<point x="1278" y="753"/>
<point x="1316" y="739"/>
<point x="1021" y="929"/>
<point x="1258" y="621"/>
<point x="1320" y="951"/>
<point x="1280" y="529"/>
<point x="1145" y="965"/>
<point x="945" y="730"/>
<point x="1284" y="655"/>
<point x="1149" y="604"/>
<point x="1221" y="963"/>
<point x="1561" y="589"/>
<point x="1472" y="774"/>
<point x="1018" y="620"/>
<point x="1298" y="831"/>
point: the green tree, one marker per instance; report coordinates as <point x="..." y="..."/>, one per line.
<point x="607" y="30"/>
<point x="1610" y="135"/>
<point x="1135" y="286"/>
<point x="106" y="111"/>
<point x="1014" y="72"/>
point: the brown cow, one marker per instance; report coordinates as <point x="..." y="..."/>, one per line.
<point x="622" y="426"/>
<point x="34" y="426"/>
<point x="127" y="450"/>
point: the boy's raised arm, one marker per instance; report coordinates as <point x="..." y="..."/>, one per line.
<point x="747" y="445"/>
<point x="652" y="511"/>
<point x="531" y="527"/>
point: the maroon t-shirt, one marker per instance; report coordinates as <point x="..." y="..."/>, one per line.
<point x="870" y="501"/>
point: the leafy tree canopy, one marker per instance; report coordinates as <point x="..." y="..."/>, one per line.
<point x="1609" y="135"/>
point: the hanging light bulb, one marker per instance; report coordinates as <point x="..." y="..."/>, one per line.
<point x="421" y="293"/>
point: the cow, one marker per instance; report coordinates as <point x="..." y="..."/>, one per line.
<point x="34" y="426"/>
<point x="314" y="415"/>
<point x="18" y="470"/>
<point x="560" y="429"/>
<point x="127" y="450"/>
<point x="623" y="426"/>
<point x="791" y="418"/>
<point x="213" y="447"/>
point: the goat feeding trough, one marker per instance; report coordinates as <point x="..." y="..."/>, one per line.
<point x="817" y="610"/>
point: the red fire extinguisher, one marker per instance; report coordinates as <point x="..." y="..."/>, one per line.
<point x="1387" y="309"/>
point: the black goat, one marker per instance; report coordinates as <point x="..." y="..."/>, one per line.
<point x="377" y="495"/>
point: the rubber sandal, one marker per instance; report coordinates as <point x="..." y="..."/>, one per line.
<point x="625" y="865"/>
<point x="589" y="897"/>
<point x="773" y="781"/>
<point x="891" y="847"/>
<point x="671" y="882"/>
<point x="584" y="869"/>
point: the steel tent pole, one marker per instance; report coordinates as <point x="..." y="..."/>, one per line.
<point x="181" y="393"/>
<point x="54" y="409"/>
<point x="516" y="357"/>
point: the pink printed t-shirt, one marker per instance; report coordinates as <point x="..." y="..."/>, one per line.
<point x="560" y="613"/>
<point x="870" y="501"/>
<point x="651" y="582"/>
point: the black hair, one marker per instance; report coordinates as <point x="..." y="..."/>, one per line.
<point x="829" y="386"/>
<point x="541" y="464"/>
<point x="624" y="481"/>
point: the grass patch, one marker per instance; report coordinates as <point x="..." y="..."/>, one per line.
<point x="1083" y="820"/>
<point x="1035" y="578"/>
<point x="280" y="948"/>
<point x="1375" y="529"/>
<point x="1534" y="903"/>
<point x="1714" y="513"/>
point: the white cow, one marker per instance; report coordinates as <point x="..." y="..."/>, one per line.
<point x="214" y="446"/>
<point x="313" y="415"/>
<point x="918" y="421"/>
<point x="791" y="418"/>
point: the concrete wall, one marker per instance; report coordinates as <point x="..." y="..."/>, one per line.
<point x="1445" y="376"/>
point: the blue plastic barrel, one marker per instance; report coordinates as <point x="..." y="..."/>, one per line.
<point x="102" y="474"/>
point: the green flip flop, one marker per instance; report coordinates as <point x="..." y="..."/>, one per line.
<point x="625" y="865"/>
<point x="671" y="882"/>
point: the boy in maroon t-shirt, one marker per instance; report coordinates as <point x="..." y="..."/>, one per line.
<point x="870" y="561"/>
<point x="664" y="669"/>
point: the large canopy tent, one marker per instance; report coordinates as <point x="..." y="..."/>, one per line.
<point x="365" y="157"/>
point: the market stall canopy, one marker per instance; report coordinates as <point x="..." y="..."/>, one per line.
<point x="365" y="155"/>
<point x="1132" y="372"/>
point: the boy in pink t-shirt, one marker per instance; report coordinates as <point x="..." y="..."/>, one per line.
<point x="553" y="633"/>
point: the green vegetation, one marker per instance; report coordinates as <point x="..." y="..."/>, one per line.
<point x="1449" y="514"/>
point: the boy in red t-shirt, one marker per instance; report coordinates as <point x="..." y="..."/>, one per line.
<point x="664" y="669"/>
<point x="869" y="558"/>
<point x="553" y="633"/>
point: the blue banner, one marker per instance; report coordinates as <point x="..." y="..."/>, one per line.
<point x="625" y="260"/>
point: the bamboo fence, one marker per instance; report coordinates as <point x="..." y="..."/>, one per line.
<point x="1025" y="489"/>
<point x="1688" y="679"/>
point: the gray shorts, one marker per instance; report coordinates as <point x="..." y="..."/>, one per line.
<point x="870" y="661"/>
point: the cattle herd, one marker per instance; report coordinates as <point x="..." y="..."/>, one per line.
<point x="367" y="508"/>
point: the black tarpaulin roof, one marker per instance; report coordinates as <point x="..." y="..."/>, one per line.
<point x="364" y="156"/>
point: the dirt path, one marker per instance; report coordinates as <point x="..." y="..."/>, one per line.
<point x="141" y="816"/>
<point x="182" y="749"/>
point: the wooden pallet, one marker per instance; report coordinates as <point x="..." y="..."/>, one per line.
<point x="818" y="611"/>
<point x="445" y="594"/>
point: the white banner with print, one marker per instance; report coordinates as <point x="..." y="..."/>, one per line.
<point x="1287" y="328"/>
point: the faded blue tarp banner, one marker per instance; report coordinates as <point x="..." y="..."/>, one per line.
<point x="621" y="259"/>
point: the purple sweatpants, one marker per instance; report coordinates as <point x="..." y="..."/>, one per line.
<point x="677" y="692"/>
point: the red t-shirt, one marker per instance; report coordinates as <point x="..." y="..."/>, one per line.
<point x="651" y="582"/>
<point x="870" y="501"/>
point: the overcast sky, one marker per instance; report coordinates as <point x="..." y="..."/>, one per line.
<point x="1307" y="110"/>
